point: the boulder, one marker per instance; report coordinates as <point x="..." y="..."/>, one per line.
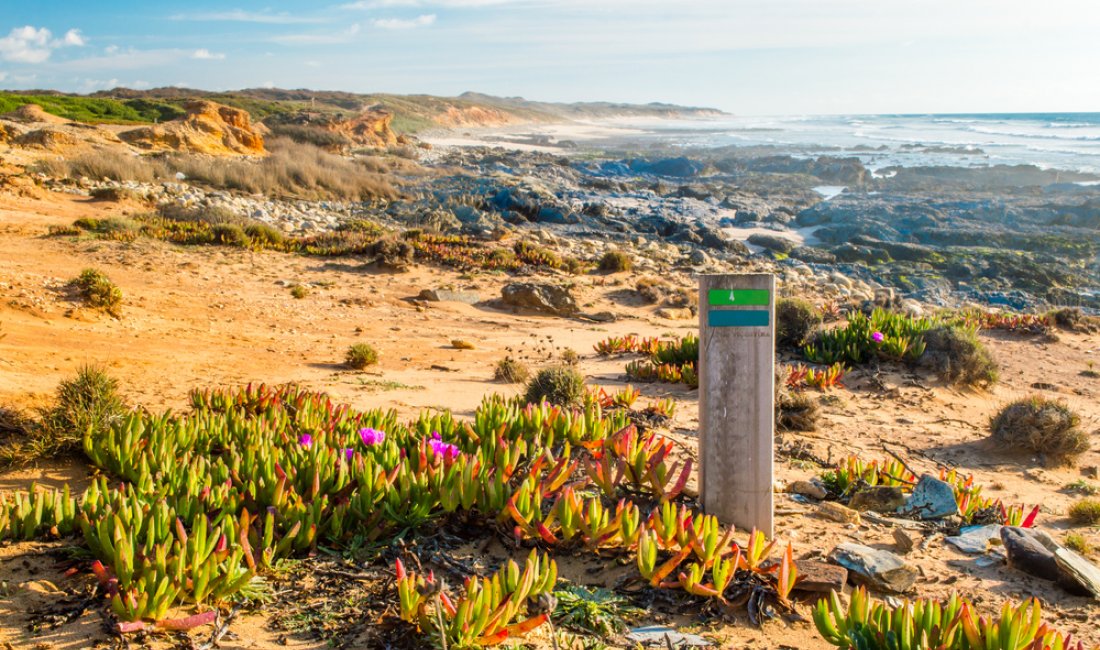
<point x="875" y="568"/>
<point x="546" y="298"/>
<point x="774" y="243"/>
<point x="807" y="489"/>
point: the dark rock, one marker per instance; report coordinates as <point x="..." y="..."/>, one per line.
<point x="772" y="242"/>
<point x="545" y="298"/>
<point x="812" y="255"/>
<point x="675" y="167"/>
<point x="548" y="214"/>
<point x="877" y="569"/>
<point x="1026" y="554"/>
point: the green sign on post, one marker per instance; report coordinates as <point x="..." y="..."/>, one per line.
<point x="739" y="297"/>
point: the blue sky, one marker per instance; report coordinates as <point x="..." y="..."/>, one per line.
<point x="759" y="57"/>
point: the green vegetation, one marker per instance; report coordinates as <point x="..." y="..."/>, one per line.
<point x="600" y="612"/>
<point x="559" y="385"/>
<point x="93" y="110"/>
<point x="1042" y="426"/>
<point x="361" y="355"/>
<point x="97" y="291"/>
<point x="1078" y="543"/>
<point x="884" y="335"/>
<point x="511" y="371"/>
<point x="795" y="321"/>
<point x="88" y="404"/>
<point x="956" y="355"/>
<point x="299" y="291"/>
<point x="616" y="262"/>
<point x="1085" y="512"/>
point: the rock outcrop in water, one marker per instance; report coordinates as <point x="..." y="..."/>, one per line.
<point x="207" y="128"/>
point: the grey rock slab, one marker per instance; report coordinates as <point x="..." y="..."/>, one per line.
<point x="1080" y="570"/>
<point x="446" y="295"/>
<point x="975" y="540"/>
<point x="546" y="298"/>
<point x="661" y="636"/>
<point x="1026" y="553"/>
<point x="876" y="568"/>
<point x="931" y="499"/>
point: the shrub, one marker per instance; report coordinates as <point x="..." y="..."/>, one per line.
<point x="511" y="371"/>
<point x="393" y="254"/>
<point x="1072" y="319"/>
<point x="570" y="357"/>
<point x="559" y="385"/>
<point x="115" y="194"/>
<point x="118" y="167"/>
<point x="958" y="357"/>
<point x="197" y="213"/>
<point x="97" y="291"/>
<point x="87" y="404"/>
<point x="1077" y="542"/>
<point x="794" y="411"/>
<point x="795" y="321"/>
<point x="360" y="356"/>
<point x="299" y="291"/>
<point x="651" y="290"/>
<point x="264" y="234"/>
<point x="1085" y="512"/>
<point x="230" y="234"/>
<point x="616" y="261"/>
<point x="1046" y="427"/>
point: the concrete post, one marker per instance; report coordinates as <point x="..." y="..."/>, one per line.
<point x="737" y="398"/>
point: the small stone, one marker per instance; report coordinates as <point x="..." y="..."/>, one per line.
<point x="876" y="568"/>
<point x="600" y="317"/>
<point x="1092" y="471"/>
<point x="663" y="637"/>
<point x="807" y="489"/>
<point x="902" y="541"/>
<point x="459" y="344"/>
<point x="931" y="499"/>
<point x="834" y="511"/>
<point x="880" y="498"/>
<point x="820" y="577"/>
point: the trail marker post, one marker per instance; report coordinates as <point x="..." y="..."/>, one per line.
<point x="737" y="398"/>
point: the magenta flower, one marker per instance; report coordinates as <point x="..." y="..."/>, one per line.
<point x="440" y="448"/>
<point x="878" y="337"/>
<point x="305" y="440"/>
<point x="372" y="437"/>
<point x="348" y="453"/>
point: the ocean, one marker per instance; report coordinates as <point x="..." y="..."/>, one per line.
<point x="1068" y="141"/>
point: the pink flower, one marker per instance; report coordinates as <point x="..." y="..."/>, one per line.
<point x="348" y="453"/>
<point x="372" y="437"/>
<point x="441" y="448"/>
<point x="305" y="440"/>
<point x="878" y="337"/>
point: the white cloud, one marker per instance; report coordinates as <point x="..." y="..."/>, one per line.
<point x="35" y="45"/>
<point x="322" y="38"/>
<point x="267" y="84"/>
<point x="111" y="49"/>
<point x="3" y="76"/>
<point x="422" y="20"/>
<point x="206" y="55"/>
<point x="448" y="4"/>
<point x="240" y="16"/>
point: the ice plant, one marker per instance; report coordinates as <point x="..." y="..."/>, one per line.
<point x="305" y="440"/>
<point x="878" y="337"/>
<point x="443" y="449"/>
<point x="371" y="436"/>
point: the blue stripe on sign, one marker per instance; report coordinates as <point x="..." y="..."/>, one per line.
<point x="738" y="318"/>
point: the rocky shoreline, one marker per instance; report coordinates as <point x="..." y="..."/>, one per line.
<point x="1013" y="237"/>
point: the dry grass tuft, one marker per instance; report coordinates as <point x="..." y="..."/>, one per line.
<point x="1043" y="426"/>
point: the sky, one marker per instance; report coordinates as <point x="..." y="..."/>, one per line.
<point x="762" y="57"/>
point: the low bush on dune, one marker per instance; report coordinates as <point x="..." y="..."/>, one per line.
<point x="511" y="371"/>
<point x="230" y="234"/>
<point x="957" y="357"/>
<point x="559" y="385"/>
<point x="795" y="321"/>
<point x="1042" y="426"/>
<point x="794" y="410"/>
<point x="1085" y="512"/>
<point x="616" y="262"/>
<point x="88" y="403"/>
<point x="97" y="291"/>
<point x="360" y="356"/>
